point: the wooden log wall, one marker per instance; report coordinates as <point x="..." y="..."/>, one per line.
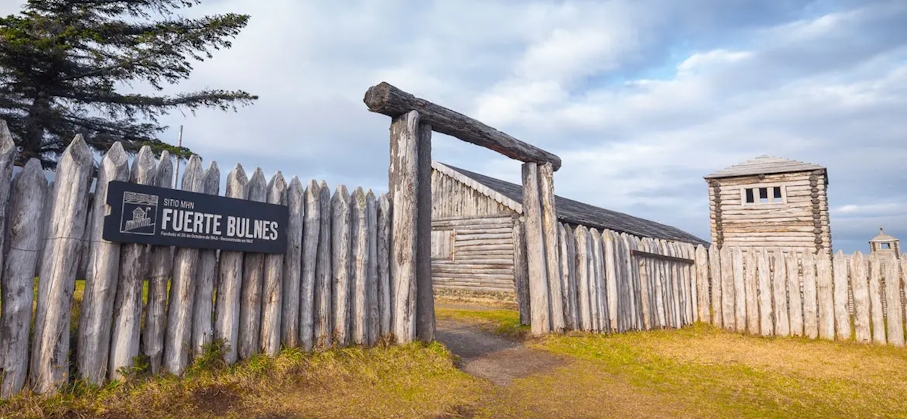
<point x="800" y="221"/>
<point x="480" y="254"/>
<point x="299" y="299"/>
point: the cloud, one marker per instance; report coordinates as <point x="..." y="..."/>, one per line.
<point x="639" y="98"/>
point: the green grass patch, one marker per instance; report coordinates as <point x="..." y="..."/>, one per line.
<point x="498" y="321"/>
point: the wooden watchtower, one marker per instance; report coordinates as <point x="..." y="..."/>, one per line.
<point x="770" y="202"/>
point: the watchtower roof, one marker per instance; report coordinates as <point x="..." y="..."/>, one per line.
<point x="883" y="237"/>
<point x="765" y="165"/>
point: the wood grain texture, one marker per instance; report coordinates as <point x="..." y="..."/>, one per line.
<point x="294" y="293"/>
<point x="702" y="285"/>
<point x="728" y="289"/>
<point x="49" y="363"/>
<point x="715" y="285"/>
<point x="388" y="100"/>
<point x="751" y="290"/>
<point x="311" y="235"/>
<point x="521" y="272"/>
<point x="549" y="229"/>
<point x="581" y="266"/>
<point x="634" y="319"/>
<point x="385" y="293"/>
<point x="359" y="261"/>
<point x="272" y="287"/>
<point x="18" y="282"/>
<point x="230" y="278"/>
<point x="859" y="280"/>
<point x="324" y="271"/>
<point x="127" y="306"/>
<point x="253" y="271"/>
<point x="779" y="293"/>
<point x="425" y="297"/>
<point x="876" y="297"/>
<point x="741" y="297"/>
<point x="566" y="254"/>
<point x="609" y="249"/>
<point x="403" y="187"/>
<point x="766" y="314"/>
<point x="161" y="265"/>
<point x="825" y="296"/>
<point x="373" y="327"/>
<point x="182" y="288"/>
<point x="794" y="292"/>
<point x="203" y="307"/>
<point x="597" y="276"/>
<point x="842" y="316"/>
<point x="341" y="265"/>
<point x="535" y="252"/>
<point x="7" y="157"/>
<point x="102" y="274"/>
<point x="894" y="319"/>
<point x="810" y="301"/>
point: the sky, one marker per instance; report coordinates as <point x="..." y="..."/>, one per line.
<point x="639" y="98"/>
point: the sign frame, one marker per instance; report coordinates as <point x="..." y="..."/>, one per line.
<point x="171" y="217"/>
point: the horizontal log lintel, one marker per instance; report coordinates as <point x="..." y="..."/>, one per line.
<point x="386" y="99"/>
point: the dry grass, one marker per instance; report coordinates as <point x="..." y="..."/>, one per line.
<point x="503" y="300"/>
<point x="414" y="380"/>
<point x="701" y="372"/>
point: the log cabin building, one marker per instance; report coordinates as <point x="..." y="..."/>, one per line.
<point x="770" y="202"/>
<point x="477" y="227"/>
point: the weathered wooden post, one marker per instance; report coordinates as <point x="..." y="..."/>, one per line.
<point x="340" y="266"/>
<point x="404" y="192"/>
<point x="359" y="238"/>
<point x="409" y="190"/>
<point x="182" y="288"/>
<point x="425" y="298"/>
<point x="272" y="286"/>
<point x="18" y="281"/>
<point x="50" y="345"/>
<point x="535" y="252"/>
<point x="385" y="293"/>
<point x="7" y="153"/>
<point x="371" y="283"/>
<point x="161" y="262"/>
<point x="127" y="306"/>
<point x="252" y="279"/>
<point x="202" y="324"/>
<point x="293" y="291"/>
<point x="101" y="276"/>
<point x="229" y="283"/>
<point x="311" y="230"/>
<point x="324" y="271"/>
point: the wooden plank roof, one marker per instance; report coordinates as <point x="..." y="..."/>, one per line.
<point x="574" y="212"/>
<point x="765" y="165"/>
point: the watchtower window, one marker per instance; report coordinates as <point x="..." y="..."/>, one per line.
<point x="764" y="195"/>
<point x="886" y="246"/>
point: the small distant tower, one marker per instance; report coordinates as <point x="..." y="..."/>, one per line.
<point x="884" y="245"/>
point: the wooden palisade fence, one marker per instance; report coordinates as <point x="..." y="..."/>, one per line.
<point x="331" y="288"/>
<point x="614" y="282"/>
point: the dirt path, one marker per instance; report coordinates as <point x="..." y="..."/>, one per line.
<point x="495" y="358"/>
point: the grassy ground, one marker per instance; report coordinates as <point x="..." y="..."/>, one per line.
<point x="416" y="380"/>
<point x="696" y="372"/>
<point x="701" y="371"/>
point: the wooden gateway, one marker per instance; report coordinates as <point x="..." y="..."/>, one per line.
<point x="770" y="202"/>
<point x="477" y="229"/>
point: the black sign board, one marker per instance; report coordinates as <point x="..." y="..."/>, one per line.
<point x="170" y="217"/>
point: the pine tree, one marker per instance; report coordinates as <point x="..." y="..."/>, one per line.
<point x="65" y="66"/>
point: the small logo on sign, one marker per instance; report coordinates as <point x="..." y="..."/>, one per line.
<point x="139" y="213"/>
